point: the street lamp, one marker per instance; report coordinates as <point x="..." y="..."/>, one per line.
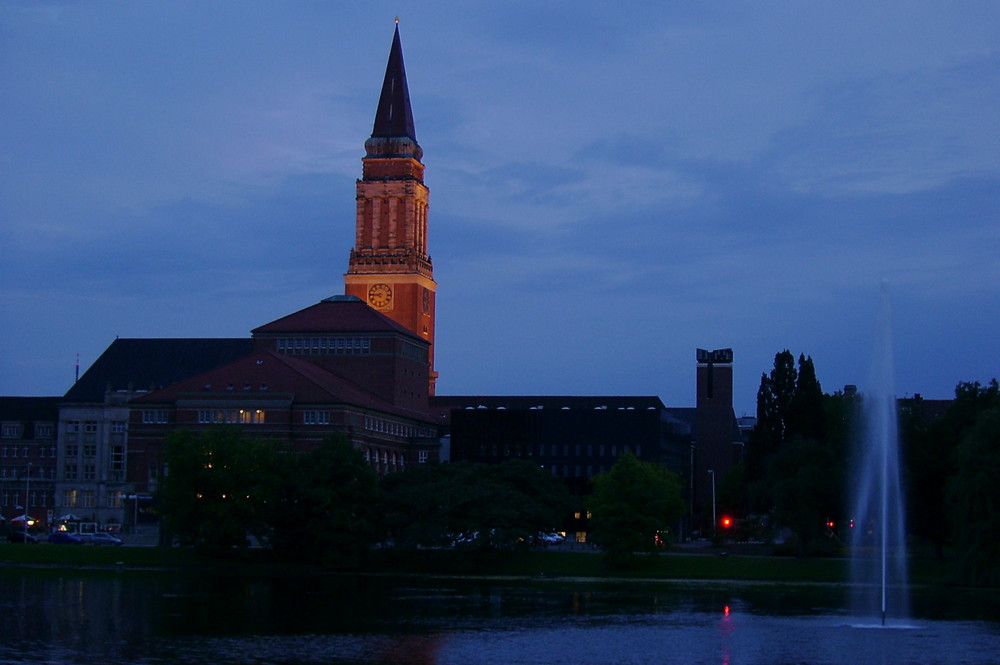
<point x="27" y="488"/>
<point x="711" y="472"/>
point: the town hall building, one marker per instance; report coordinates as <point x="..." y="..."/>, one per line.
<point x="362" y="365"/>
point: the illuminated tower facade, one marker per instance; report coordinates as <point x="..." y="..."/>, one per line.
<point x="389" y="267"/>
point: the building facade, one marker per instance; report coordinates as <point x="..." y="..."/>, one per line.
<point x="93" y="443"/>
<point x="337" y="367"/>
<point x="28" y="450"/>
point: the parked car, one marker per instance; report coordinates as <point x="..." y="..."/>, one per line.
<point x="61" y="537"/>
<point x="21" y="537"/>
<point x="102" y="538"/>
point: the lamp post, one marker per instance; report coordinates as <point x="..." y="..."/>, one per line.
<point x="27" y="488"/>
<point x="711" y="472"/>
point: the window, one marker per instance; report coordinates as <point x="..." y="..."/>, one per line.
<point x="5" y="451"/>
<point x="69" y="498"/>
<point x="154" y="416"/>
<point x="115" y="499"/>
<point x="72" y="426"/>
<point x="11" y="431"/>
<point x="117" y="458"/>
<point x="44" y="431"/>
<point x="422" y="456"/>
<point x="118" y="427"/>
<point x="89" y="500"/>
<point x="316" y="417"/>
<point x="324" y="345"/>
<point x="69" y="472"/>
<point x="89" y="450"/>
<point x="90" y="427"/>
<point x="72" y="451"/>
<point x="89" y="471"/>
<point x="232" y="416"/>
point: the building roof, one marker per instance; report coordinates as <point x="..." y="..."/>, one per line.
<point x="394" y="118"/>
<point x="556" y="402"/>
<point x="266" y="375"/>
<point x="29" y="408"/>
<point x="337" y="315"/>
<point x="149" y="364"/>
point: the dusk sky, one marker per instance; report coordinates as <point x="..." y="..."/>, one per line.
<point x="612" y="185"/>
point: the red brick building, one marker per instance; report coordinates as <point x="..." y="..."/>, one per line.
<point x="335" y="367"/>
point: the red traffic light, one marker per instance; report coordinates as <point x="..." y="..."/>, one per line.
<point x="726" y="522"/>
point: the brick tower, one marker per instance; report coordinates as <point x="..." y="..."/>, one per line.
<point x="389" y="267"/>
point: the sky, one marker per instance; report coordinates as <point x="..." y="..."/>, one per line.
<point x="612" y="185"/>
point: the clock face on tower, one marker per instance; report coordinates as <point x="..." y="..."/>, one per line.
<point x="380" y="296"/>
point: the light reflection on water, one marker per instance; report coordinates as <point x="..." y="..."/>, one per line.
<point x="366" y="621"/>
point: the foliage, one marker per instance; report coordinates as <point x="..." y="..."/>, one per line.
<point x="223" y="486"/>
<point x="220" y="487"/>
<point x="329" y="506"/>
<point x="973" y="493"/>
<point x="798" y="452"/>
<point x="631" y="503"/>
<point x="805" y="492"/>
<point x="473" y="506"/>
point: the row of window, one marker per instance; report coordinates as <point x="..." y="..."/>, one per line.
<point x="553" y="450"/>
<point x="383" y="426"/>
<point x="154" y="416"/>
<point x="15" y="430"/>
<point x="315" y="417"/>
<point x="27" y="451"/>
<point x="231" y="416"/>
<point x="27" y="473"/>
<point x="576" y="471"/>
<point x="36" y="498"/>
<point x="324" y="346"/>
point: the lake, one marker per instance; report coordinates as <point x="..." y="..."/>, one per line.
<point x="58" y="617"/>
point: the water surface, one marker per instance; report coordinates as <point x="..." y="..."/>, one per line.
<point x="193" y="619"/>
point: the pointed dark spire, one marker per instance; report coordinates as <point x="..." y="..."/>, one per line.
<point x="394" y="118"/>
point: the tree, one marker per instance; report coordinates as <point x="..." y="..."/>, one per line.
<point x="630" y="504"/>
<point x="219" y="487"/>
<point x="974" y="495"/>
<point x="805" y="492"/>
<point x="774" y="401"/>
<point x="931" y="456"/>
<point x="329" y="510"/>
<point x="473" y="506"/>
<point x="806" y="415"/>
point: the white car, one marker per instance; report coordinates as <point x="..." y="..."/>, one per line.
<point x="102" y="538"/>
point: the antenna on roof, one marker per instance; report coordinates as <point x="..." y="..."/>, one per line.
<point x="77" y="367"/>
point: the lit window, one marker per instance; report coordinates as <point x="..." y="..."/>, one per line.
<point x="69" y="498"/>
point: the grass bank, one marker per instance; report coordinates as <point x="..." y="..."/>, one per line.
<point x="533" y="564"/>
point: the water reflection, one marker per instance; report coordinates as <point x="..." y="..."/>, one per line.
<point x="57" y="618"/>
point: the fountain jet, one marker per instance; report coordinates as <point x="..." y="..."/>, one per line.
<point x="879" y="534"/>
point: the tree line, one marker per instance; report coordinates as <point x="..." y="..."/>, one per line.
<point x="225" y="489"/>
<point x="801" y="453"/>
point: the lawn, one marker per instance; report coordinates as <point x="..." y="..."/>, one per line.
<point x="533" y="564"/>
